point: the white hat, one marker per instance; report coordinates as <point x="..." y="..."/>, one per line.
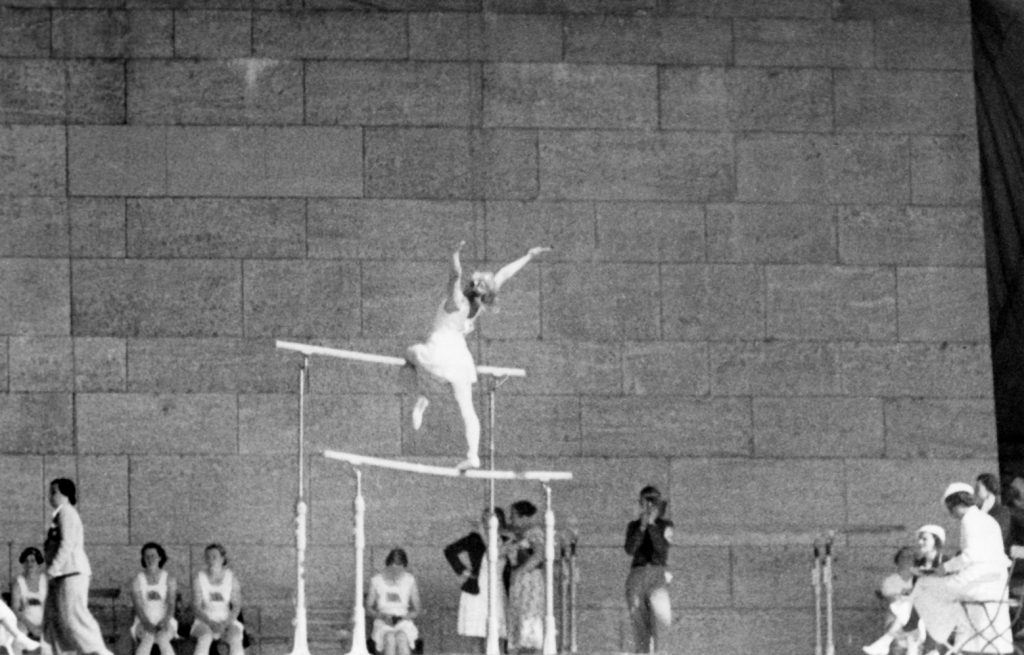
<point x="956" y="488"/>
<point x="934" y="530"/>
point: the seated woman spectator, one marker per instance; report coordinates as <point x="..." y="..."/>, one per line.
<point x="153" y="594"/>
<point x="474" y="601"/>
<point x="895" y="591"/>
<point x="393" y="602"/>
<point x="28" y="597"/>
<point x="525" y="551"/>
<point x="216" y="601"/>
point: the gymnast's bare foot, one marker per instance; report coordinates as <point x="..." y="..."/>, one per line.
<point x="417" y="412"/>
<point x="469" y="463"/>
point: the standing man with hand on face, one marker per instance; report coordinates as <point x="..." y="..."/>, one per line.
<point x="648" y="539"/>
<point x="67" y="623"/>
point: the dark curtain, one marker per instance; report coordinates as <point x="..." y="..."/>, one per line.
<point x="998" y="33"/>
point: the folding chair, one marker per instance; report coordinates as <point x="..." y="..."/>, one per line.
<point x="982" y="616"/>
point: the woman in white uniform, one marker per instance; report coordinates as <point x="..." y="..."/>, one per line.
<point x="153" y="594"/>
<point x="217" y="599"/>
<point x="28" y="597"/>
<point x="393" y="602"/>
<point x="445" y="355"/>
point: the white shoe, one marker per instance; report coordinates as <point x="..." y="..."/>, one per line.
<point x="25" y="643"/>
<point x="417" y="412"/>
<point x="880" y="646"/>
<point x="472" y="462"/>
<point x="913" y="644"/>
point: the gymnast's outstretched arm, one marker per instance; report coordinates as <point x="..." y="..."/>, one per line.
<point x="451" y="303"/>
<point x="510" y="269"/>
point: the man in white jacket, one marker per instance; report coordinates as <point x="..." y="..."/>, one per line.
<point x="67" y="623"/>
<point x="979" y="572"/>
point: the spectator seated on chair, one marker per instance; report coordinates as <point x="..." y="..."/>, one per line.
<point x="393" y="603"/>
<point x="978" y="573"/>
<point x="28" y="595"/>
<point x="217" y="602"/>
<point x="153" y="594"/>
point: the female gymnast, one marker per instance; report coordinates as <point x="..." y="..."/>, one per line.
<point x="445" y="355"/>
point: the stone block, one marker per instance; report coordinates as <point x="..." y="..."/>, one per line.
<point x="38" y="424"/>
<point x="601" y="629"/>
<point x="636" y="166"/>
<point x="776" y="368"/>
<point x="816" y="168"/>
<point x="559" y="367"/>
<point x="917" y="369"/>
<point x="301" y="298"/>
<point x="34" y="162"/>
<point x="361" y="423"/>
<point x="717" y="302"/>
<point x="650" y="231"/>
<point x="945" y="10"/>
<point x="156" y="424"/>
<point x="780" y="42"/>
<point x="150" y="33"/>
<point x="203" y="365"/>
<point x="331" y="35"/>
<point x="565" y="95"/>
<point x="231" y="499"/>
<point x="505" y="164"/>
<point x="400" y="299"/>
<point x="117" y="161"/>
<point x="100" y="365"/>
<point x="831" y="302"/>
<point x="606" y="302"/>
<point x="923" y="43"/>
<point x="4" y="372"/>
<point x="126" y="298"/>
<point x="434" y="163"/>
<point x="97" y="227"/>
<point x="24" y="32"/>
<point x="41" y="364"/>
<point x="33" y="227"/>
<point x="390" y="93"/>
<point x="90" y="33"/>
<point x="944" y="171"/>
<point x="490" y="36"/>
<point x="268" y="424"/>
<point x="103" y="487"/>
<point x="22" y="511"/>
<point x="37" y="295"/>
<point x="515" y="227"/>
<point x="96" y="92"/>
<point x="761" y="493"/>
<point x="750" y="8"/>
<point x="665" y="426"/>
<point x="904" y="102"/>
<point x="648" y="40"/>
<point x="942" y="304"/>
<point x="939" y="428"/>
<point x="738" y="99"/>
<point x="534" y="426"/>
<point x="771" y="234"/>
<point x="665" y="369"/>
<point x="910" y="235"/>
<point x="212" y="34"/>
<point x="873" y="499"/>
<point x="387" y="229"/>
<point x="242" y="91"/>
<point x="33" y="91"/>
<point x="257" y="161"/>
<point x="216" y="228"/>
<point x="818" y="427"/>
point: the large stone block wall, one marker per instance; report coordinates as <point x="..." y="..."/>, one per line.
<point x="766" y="296"/>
